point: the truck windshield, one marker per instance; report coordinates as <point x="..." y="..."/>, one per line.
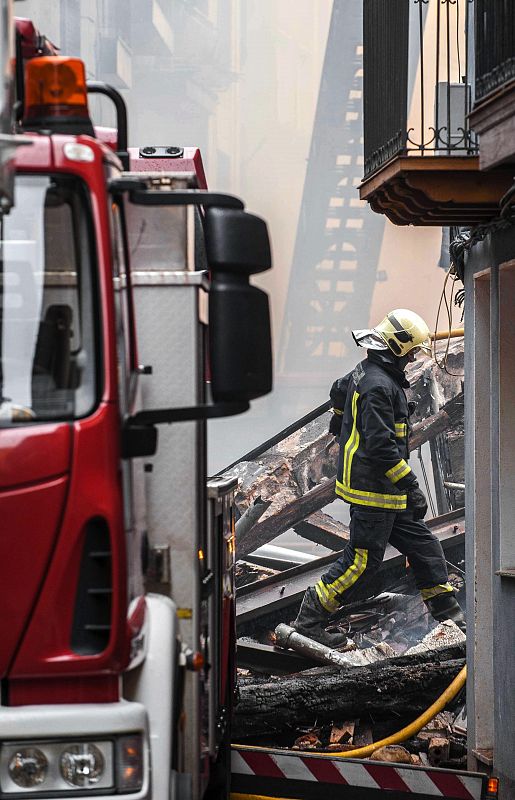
<point x="47" y="330"/>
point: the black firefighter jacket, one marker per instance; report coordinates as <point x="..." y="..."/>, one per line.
<point x="373" y="409"/>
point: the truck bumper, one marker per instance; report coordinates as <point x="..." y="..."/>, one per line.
<point x="42" y="726"/>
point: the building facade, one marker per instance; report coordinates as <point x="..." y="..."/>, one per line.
<point x="450" y="161"/>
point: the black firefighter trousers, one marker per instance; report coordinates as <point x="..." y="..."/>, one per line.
<point x="371" y="529"/>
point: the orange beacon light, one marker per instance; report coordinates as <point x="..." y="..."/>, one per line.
<point x="56" y="96"/>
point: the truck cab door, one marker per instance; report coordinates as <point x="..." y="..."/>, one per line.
<point x="132" y="469"/>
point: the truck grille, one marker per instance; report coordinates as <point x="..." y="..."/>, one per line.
<point x="92" y="617"/>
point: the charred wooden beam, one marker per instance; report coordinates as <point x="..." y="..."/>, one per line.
<point x="289" y="511"/>
<point x="432" y="387"/>
<point x="322" y="529"/>
<point x="399" y="686"/>
<point x="428" y="428"/>
<point x="265" y="658"/>
<point x="250" y="573"/>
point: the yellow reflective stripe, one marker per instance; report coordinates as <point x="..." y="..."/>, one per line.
<point x="321" y="591"/>
<point x="329" y="602"/>
<point x="399" y="471"/>
<point x="337" y="411"/>
<point x="401" y="429"/>
<point x="433" y="591"/>
<point x="357" y="437"/>
<point x="328" y="593"/>
<point x="352" y="442"/>
<point x="351" y="575"/>
<point x="393" y="502"/>
<point x="346" y="463"/>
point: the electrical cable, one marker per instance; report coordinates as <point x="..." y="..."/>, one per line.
<point x="453" y="566"/>
<point x="463" y="241"/>
<point x="467" y="239"/>
<point x="448" y="307"/>
<point x="426" y="482"/>
<point x="458" y="42"/>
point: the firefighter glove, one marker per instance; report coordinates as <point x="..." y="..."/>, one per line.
<point x="417" y="502"/>
<point x="335" y="425"/>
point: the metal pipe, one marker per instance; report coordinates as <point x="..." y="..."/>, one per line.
<point x="421" y="41"/>
<point x="251" y="516"/>
<point x="437" y="98"/>
<point x="99" y="87"/>
<point x="451" y="485"/>
<point x="287" y="637"/>
<point x="448" y="80"/>
<point x="455" y="333"/>
<point x="283" y="553"/>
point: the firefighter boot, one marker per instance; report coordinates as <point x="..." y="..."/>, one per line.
<point x="445" y="606"/>
<point x="312" y="620"/>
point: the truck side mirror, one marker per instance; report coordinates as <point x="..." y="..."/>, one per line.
<point x="237" y="246"/>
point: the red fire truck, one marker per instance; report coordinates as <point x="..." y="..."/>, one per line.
<point x="126" y="321"/>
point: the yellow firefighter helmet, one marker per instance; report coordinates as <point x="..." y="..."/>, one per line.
<point x="402" y="330"/>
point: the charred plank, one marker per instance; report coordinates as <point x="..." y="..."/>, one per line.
<point x="322" y="529"/>
<point x="265" y="658"/>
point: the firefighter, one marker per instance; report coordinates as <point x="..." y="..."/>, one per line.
<point x="370" y="415"/>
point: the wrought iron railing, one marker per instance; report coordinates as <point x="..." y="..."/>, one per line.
<point x="417" y="92"/>
<point x="495" y="45"/>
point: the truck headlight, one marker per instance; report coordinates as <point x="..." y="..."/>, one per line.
<point x="28" y="767"/>
<point x="70" y="767"/>
<point x="82" y="765"/>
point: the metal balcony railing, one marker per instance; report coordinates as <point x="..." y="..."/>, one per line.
<point x="495" y="45"/>
<point x="417" y="91"/>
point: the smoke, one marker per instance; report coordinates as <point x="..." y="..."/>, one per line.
<point x="271" y="91"/>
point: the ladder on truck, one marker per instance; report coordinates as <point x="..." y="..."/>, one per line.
<point x="268" y="772"/>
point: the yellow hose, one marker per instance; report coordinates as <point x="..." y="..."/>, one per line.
<point x="414" y="727"/>
<point x="410" y="730"/>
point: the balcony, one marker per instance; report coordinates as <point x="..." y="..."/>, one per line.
<point x="421" y="156"/>
<point x="493" y="114"/>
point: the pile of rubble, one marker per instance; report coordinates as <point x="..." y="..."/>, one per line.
<point x="441" y="743"/>
<point x="382" y="681"/>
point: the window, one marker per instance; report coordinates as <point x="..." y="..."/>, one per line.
<point x="48" y="365"/>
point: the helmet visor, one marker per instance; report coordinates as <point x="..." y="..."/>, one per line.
<point x="369" y="339"/>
